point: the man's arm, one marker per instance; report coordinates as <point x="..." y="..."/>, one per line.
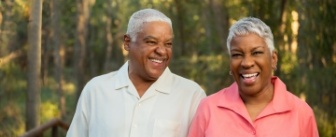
<point x="79" y="124"/>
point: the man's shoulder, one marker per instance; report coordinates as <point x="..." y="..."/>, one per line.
<point x="184" y="85"/>
<point x="184" y="81"/>
<point x="108" y="77"/>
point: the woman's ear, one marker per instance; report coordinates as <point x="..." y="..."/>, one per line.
<point x="274" y="60"/>
<point x="127" y="41"/>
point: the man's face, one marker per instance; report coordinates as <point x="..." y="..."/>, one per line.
<point x="151" y="52"/>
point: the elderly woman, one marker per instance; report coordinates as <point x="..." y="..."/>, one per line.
<point x="257" y="103"/>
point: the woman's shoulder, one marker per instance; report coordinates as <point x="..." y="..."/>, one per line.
<point x="299" y="104"/>
<point x="215" y="97"/>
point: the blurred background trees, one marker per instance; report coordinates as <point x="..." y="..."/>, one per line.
<point x="83" y="38"/>
<point x="34" y="65"/>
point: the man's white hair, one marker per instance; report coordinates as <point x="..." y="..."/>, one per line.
<point x="143" y="16"/>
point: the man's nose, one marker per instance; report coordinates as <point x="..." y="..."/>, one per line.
<point x="161" y="49"/>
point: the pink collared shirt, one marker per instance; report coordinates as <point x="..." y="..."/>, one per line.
<point x="224" y="114"/>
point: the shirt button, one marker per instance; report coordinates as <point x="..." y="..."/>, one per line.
<point x="135" y="125"/>
<point x="253" y="132"/>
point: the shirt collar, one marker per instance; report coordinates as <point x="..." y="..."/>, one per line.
<point x="280" y="102"/>
<point x="163" y="84"/>
<point x="165" y="81"/>
<point x="122" y="77"/>
<point x="231" y="100"/>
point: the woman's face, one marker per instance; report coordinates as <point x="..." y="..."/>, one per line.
<point x="251" y="64"/>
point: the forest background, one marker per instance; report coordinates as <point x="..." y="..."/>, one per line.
<point x="81" y="39"/>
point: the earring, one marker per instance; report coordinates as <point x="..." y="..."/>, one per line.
<point x="230" y="72"/>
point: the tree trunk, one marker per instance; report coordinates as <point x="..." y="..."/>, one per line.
<point x="92" y="60"/>
<point x="34" y="64"/>
<point x="0" y="22"/>
<point x="279" y="38"/>
<point x="55" y="14"/>
<point x="109" y="37"/>
<point x="222" y="23"/>
<point x="81" y="33"/>
<point x="208" y="23"/>
<point x="180" y="27"/>
<point x="45" y="56"/>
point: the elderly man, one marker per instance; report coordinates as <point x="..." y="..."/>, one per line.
<point x="143" y="98"/>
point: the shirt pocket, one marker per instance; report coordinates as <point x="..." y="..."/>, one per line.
<point x="166" y="128"/>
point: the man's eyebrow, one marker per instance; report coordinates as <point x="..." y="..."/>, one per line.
<point x="149" y="37"/>
<point x="152" y="37"/>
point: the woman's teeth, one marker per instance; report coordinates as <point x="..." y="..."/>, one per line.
<point x="249" y="75"/>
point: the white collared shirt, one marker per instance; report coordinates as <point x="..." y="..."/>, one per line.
<point x="110" y="106"/>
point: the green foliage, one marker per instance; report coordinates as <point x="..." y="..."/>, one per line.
<point x="307" y="52"/>
<point x="12" y="99"/>
<point x="201" y="68"/>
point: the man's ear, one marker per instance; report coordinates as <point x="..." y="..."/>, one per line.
<point x="127" y="41"/>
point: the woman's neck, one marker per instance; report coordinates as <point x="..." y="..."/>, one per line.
<point x="256" y="103"/>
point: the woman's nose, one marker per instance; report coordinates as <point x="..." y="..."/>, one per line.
<point x="247" y="62"/>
